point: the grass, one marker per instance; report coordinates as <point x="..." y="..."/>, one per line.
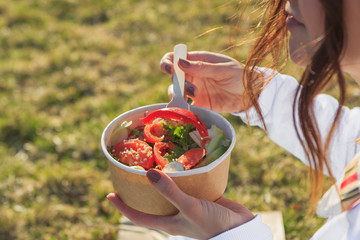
<point x="69" y="67"/>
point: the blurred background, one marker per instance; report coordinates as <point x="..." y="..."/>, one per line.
<point x="69" y="67"/>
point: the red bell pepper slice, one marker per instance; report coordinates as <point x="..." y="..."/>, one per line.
<point x="160" y="149"/>
<point x="178" y="114"/>
<point x="192" y="157"/>
<point x="154" y="132"/>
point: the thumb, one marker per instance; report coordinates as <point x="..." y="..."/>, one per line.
<point x="201" y="69"/>
<point x="168" y="188"/>
<point x="233" y="206"/>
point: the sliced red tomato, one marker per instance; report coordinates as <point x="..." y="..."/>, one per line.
<point x="191" y="157"/>
<point x="160" y="149"/>
<point x="134" y="152"/>
<point x="154" y="132"/>
<point x="177" y="114"/>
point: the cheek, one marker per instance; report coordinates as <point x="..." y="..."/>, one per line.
<point x="298" y="46"/>
<point x="314" y="18"/>
<point x="351" y="51"/>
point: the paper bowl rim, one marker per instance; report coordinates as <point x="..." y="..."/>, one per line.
<point x="190" y="172"/>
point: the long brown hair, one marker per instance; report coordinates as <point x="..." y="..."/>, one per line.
<point x="324" y="66"/>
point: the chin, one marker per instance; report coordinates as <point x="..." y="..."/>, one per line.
<point x="299" y="56"/>
<point x="299" y="60"/>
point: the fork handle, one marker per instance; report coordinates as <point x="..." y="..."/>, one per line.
<point x="180" y="51"/>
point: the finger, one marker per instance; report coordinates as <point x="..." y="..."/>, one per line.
<point x="171" y="91"/>
<point x="203" y="56"/>
<point x="209" y="57"/>
<point x="190" y="90"/>
<point x="229" y="204"/>
<point x="137" y="217"/>
<point x="204" y="69"/>
<point x="168" y="188"/>
<point x="166" y="63"/>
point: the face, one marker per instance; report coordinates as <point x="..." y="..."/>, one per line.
<point x="350" y="61"/>
<point x="305" y="23"/>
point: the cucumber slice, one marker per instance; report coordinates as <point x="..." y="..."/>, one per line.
<point x="214" y="130"/>
<point x="213" y="156"/>
<point x="214" y="143"/>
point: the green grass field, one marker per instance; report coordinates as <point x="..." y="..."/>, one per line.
<point x="69" y="67"/>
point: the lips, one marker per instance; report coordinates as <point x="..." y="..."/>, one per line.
<point x="291" y="21"/>
<point x="293" y="18"/>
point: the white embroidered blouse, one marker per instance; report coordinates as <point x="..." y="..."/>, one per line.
<point x="276" y="102"/>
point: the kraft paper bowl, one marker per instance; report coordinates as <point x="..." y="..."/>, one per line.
<point x="132" y="186"/>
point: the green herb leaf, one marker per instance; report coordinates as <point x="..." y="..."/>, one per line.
<point x="179" y="135"/>
<point x="136" y="132"/>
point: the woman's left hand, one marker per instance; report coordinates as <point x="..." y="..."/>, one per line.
<point x="196" y="218"/>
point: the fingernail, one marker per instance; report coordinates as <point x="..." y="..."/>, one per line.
<point x="111" y="195"/>
<point x="168" y="68"/>
<point x="184" y="63"/>
<point x="153" y="175"/>
<point x="190" y="89"/>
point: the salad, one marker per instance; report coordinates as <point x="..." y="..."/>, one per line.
<point x="169" y="139"/>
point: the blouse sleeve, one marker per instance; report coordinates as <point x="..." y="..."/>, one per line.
<point x="276" y="102"/>
<point x="341" y="204"/>
<point x="252" y="230"/>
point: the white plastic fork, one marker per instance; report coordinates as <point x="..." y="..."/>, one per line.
<point x="180" y="51"/>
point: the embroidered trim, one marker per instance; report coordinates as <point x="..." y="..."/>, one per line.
<point x="350" y="186"/>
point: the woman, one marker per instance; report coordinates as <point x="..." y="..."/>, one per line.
<point x="316" y="128"/>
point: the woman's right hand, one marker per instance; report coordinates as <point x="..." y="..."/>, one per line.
<point x="213" y="80"/>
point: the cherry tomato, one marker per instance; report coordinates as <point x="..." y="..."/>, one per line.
<point x="191" y="157"/>
<point x="180" y="115"/>
<point x="134" y="152"/>
<point x="160" y="149"/>
<point x="154" y="132"/>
